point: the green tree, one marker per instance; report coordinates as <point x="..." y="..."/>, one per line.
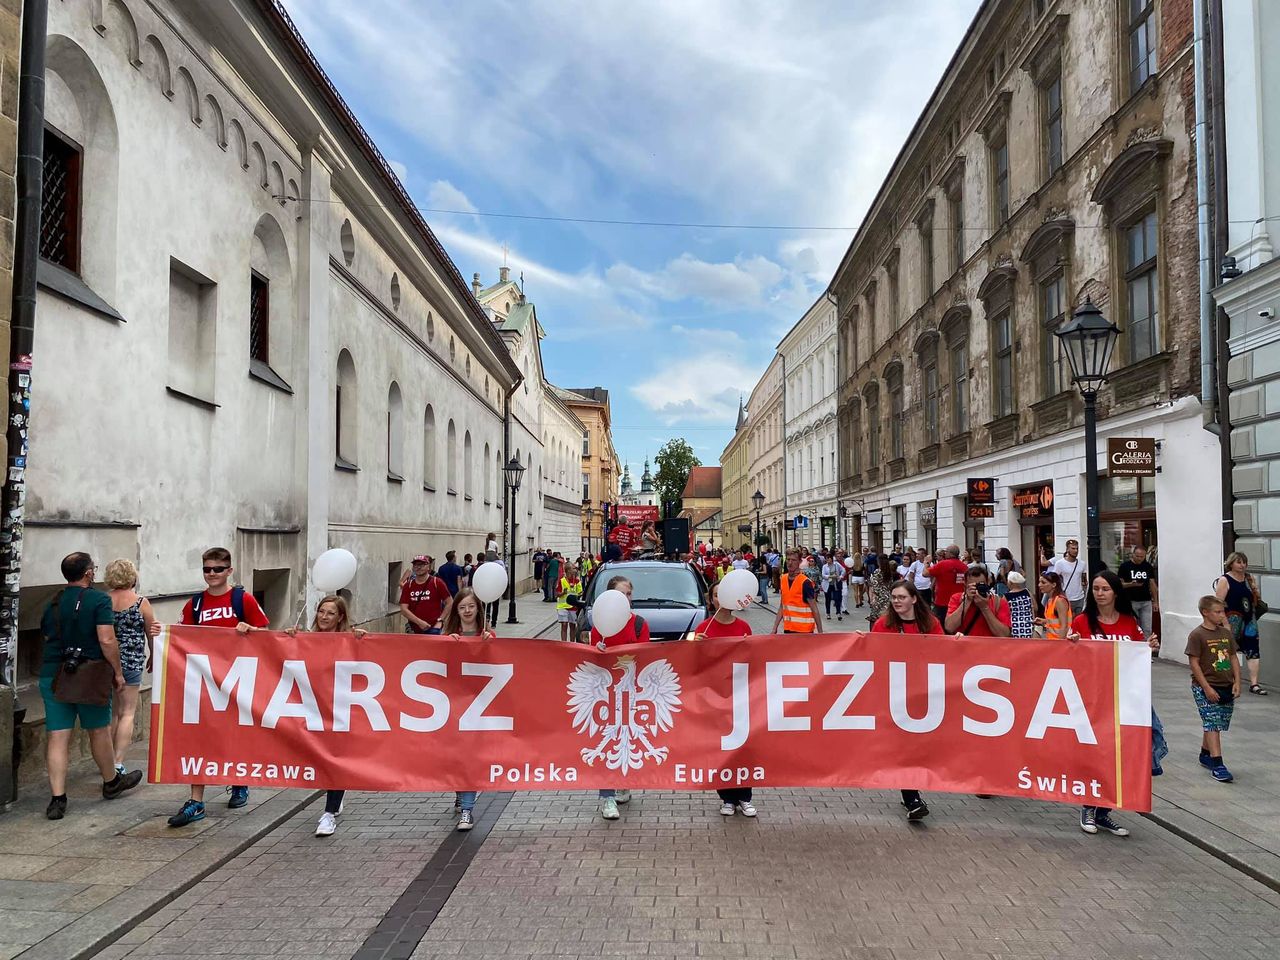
<point x="674" y="460"/>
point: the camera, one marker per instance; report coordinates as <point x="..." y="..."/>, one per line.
<point x="984" y="589"/>
<point x="72" y="657"/>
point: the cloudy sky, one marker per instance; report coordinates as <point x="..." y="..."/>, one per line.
<point x="784" y="113"/>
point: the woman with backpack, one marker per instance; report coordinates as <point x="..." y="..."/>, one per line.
<point x="1237" y="589"/>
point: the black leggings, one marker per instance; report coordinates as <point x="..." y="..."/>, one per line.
<point x="333" y="801"/>
<point x="735" y="795"/>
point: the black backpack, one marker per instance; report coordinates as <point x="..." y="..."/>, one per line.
<point x="237" y="604"/>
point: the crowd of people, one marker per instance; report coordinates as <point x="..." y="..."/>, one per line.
<point x="97" y="642"/>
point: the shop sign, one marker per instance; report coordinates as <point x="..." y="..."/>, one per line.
<point x="875" y="518"/>
<point x="790" y="524"/>
<point x="744" y="528"/>
<point x="929" y="514"/>
<point x="1131" y="456"/>
<point x="1033" y="502"/>
<point x="980" y="511"/>
<point x="982" y="490"/>
<point x="801" y="521"/>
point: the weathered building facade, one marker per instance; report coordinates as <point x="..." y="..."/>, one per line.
<point x="764" y="438"/>
<point x="735" y="493"/>
<point x="1052" y="164"/>
<point x="810" y="371"/>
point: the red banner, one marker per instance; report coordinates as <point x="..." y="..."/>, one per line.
<point x="1024" y="718"/>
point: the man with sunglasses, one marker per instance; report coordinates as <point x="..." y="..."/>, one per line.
<point x="220" y="605"/>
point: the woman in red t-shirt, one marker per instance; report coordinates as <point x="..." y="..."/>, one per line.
<point x="726" y="624"/>
<point x="908" y="613"/>
<point x="1108" y="615"/>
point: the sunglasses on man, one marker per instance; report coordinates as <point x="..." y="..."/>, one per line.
<point x="216" y="569"/>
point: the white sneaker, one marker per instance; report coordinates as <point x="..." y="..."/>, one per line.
<point x="328" y="823"/>
<point x="609" y="809"/>
<point x="727" y="809"/>
<point x="465" y="821"/>
<point x="622" y="796"/>
<point x="747" y="809"/>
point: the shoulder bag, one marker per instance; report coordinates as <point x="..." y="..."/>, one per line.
<point x="79" y="679"/>
<point x="1260" y="606"/>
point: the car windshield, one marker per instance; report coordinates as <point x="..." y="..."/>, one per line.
<point x="673" y="583"/>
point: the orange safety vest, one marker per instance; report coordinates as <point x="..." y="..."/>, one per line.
<point x="797" y="615"/>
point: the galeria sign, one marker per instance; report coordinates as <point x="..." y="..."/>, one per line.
<point x="1051" y="720"/>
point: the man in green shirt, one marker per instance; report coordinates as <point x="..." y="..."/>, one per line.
<point x="79" y="617"/>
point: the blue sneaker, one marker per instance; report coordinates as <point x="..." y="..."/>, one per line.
<point x="1206" y="760"/>
<point x="1222" y="774"/>
<point x="239" y="797"/>
<point x="191" y="811"/>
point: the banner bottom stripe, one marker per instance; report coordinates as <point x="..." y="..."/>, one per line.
<point x="402" y="928"/>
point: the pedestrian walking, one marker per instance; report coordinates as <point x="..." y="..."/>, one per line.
<point x="948" y="575"/>
<point x="135" y="624"/>
<point x="725" y="623"/>
<point x="1021" y="607"/>
<point x="466" y="619"/>
<point x="331" y="617"/>
<point x="1073" y="573"/>
<point x="539" y="564"/>
<point x="569" y="586"/>
<point x="797" y="600"/>
<point x="220" y="605"/>
<point x="451" y="573"/>
<point x="424" y="598"/>
<point x="881" y="582"/>
<point x="1005" y="565"/>
<point x="1140" y="583"/>
<point x="833" y="575"/>
<point x="1239" y="593"/>
<point x="1215" y="681"/>
<point x="1055" y="619"/>
<point x="908" y="612"/>
<point x="1107" y="615"/>
<point x="762" y="577"/>
<point x="635" y="630"/>
<point x="78" y="675"/>
<point x="858" y="578"/>
<point x="918" y="574"/>
<point x="551" y="578"/>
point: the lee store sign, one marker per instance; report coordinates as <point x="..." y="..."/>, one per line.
<point x="1051" y="720"/>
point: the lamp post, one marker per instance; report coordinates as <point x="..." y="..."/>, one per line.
<point x="757" y="501"/>
<point x="512" y="471"/>
<point x="1088" y="341"/>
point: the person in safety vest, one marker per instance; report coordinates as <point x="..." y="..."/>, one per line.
<point x="797" y="601"/>
<point x="569" y="585"/>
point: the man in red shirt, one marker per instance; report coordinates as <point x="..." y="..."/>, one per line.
<point x="976" y="611"/>
<point x="948" y="580"/>
<point x="424" y="599"/>
<point x="220" y="605"/>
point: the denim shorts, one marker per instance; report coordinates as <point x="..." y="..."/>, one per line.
<point x="132" y="676"/>
<point x="62" y="716"/>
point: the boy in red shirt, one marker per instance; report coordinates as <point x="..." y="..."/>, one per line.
<point x="636" y="630"/>
<point x="220" y="605"/>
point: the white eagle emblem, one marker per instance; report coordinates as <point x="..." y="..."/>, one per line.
<point x="625" y="714"/>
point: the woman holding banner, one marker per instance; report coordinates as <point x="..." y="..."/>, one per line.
<point x="466" y="619"/>
<point x="909" y="613"/>
<point x="331" y="617"/>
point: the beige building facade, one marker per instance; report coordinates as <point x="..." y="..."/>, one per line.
<point x="1053" y="164"/>
<point x="600" y="473"/>
<point x="736" y="509"/>
<point x="765" y="467"/>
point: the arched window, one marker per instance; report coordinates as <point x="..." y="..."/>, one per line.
<point x="451" y="459"/>
<point x="488" y="477"/>
<point x="345" y="405"/>
<point x="429" y="449"/>
<point x="270" y="308"/>
<point x="395" y="433"/>
<point x="468" y="478"/>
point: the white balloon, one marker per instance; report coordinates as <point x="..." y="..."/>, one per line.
<point x="610" y="612"/>
<point x="489" y="581"/>
<point x="333" y="570"/>
<point x="848" y="562"/>
<point x="737" y="590"/>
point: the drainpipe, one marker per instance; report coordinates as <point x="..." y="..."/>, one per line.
<point x="1208" y="347"/>
<point x="26" y="257"/>
<point x="1222" y="242"/>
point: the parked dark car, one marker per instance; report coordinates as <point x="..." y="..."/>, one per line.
<point x="672" y="597"/>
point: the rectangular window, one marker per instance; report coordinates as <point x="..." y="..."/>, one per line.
<point x="855" y="442"/>
<point x="1142" y="290"/>
<point x="955" y="213"/>
<point x="873" y="433"/>
<point x="960" y="387"/>
<point x="1051" y="316"/>
<point x="926" y="256"/>
<point x="192" y="321"/>
<point x="60" y="203"/>
<point x="259" y="328"/>
<point x="394" y="572"/>
<point x="1002" y="347"/>
<point x="586" y="444"/>
<point x="1053" y="124"/>
<point x="1142" y="42"/>
<point x="895" y="421"/>
<point x="586" y="487"/>
<point x="809" y="451"/>
<point x="1000" y="177"/>
<point x="931" y="401"/>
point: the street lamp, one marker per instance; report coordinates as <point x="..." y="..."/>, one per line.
<point x="512" y="471"/>
<point x="757" y="500"/>
<point x="1088" y="341"/>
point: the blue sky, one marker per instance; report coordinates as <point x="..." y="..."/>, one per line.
<point x="743" y="112"/>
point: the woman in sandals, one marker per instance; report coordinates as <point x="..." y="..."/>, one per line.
<point x="331" y="617"/>
<point x="1237" y="589"/>
<point x="466" y="619"/>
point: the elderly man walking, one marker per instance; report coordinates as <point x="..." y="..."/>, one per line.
<point x="79" y="673"/>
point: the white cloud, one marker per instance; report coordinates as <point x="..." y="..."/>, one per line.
<point x="400" y="170"/>
<point x="443" y="195"/>
<point x="746" y="282"/>
<point x="695" y="389"/>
